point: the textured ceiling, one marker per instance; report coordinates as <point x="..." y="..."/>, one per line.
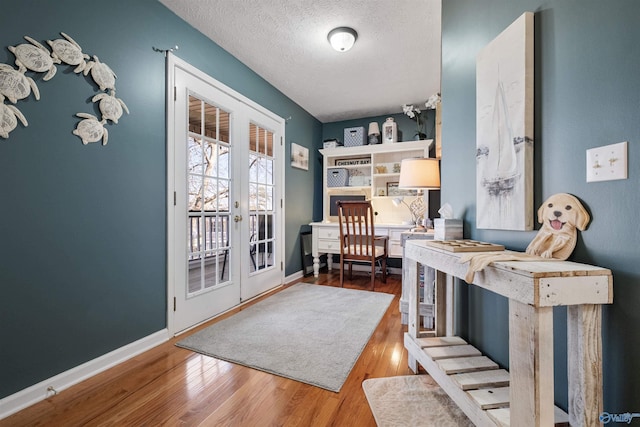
<point x="396" y="59"/>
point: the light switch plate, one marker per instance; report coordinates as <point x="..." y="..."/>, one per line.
<point x="607" y="163"/>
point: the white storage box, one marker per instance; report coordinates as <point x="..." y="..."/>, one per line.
<point x="354" y="137"/>
<point x="447" y="229"/>
<point x="359" y="181"/>
<point x="331" y="143"/>
<point x="337" y="177"/>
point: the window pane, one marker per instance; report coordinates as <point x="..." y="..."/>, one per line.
<point x="253" y="168"/>
<point x="195" y="275"/>
<point x="253" y="197"/>
<point x="262" y="170"/>
<point x="210" y="270"/>
<point x="223" y="161"/>
<point x="195" y="115"/>
<point x="209" y="158"/>
<point x="262" y="197"/>
<point x="269" y="150"/>
<point x="269" y="197"/>
<point x="262" y="144"/>
<point x="194" y="155"/>
<point x="210" y="194"/>
<point x="196" y="228"/>
<point x="253" y="137"/>
<point x="270" y="226"/>
<point x="269" y="171"/>
<point x="195" y="192"/>
<point x="223" y="117"/>
<point x="223" y="195"/>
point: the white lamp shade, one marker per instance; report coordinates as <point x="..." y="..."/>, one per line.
<point x="342" y="38"/>
<point x="374" y="128"/>
<point x="420" y="173"/>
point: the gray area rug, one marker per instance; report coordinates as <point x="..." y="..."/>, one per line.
<point x="412" y="401"/>
<point x="309" y="333"/>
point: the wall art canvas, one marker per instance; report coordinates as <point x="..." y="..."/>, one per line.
<point x="504" y="129"/>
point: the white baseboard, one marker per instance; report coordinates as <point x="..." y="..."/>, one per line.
<point x="37" y="392"/>
<point x="295" y="276"/>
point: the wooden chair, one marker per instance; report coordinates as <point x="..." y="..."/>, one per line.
<point x="358" y="239"/>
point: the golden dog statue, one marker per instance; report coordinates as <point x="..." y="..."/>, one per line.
<point x="560" y="216"/>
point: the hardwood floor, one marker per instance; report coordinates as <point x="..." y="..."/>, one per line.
<point x="173" y="386"/>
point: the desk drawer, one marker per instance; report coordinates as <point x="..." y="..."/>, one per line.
<point x="329" y="233"/>
<point x="395" y="249"/>
<point x="329" y="246"/>
<point x="382" y="231"/>
<point x="396" y="235"/>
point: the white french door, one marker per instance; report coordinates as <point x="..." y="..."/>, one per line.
<point x="225" y="189"/>
<point x="263" y="266"/>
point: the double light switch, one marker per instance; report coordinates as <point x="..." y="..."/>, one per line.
<point x="607" y="163"/>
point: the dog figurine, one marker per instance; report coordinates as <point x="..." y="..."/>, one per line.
<point x="559" y="215"/>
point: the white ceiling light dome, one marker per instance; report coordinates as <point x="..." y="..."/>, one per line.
<point x="342" y="38"/>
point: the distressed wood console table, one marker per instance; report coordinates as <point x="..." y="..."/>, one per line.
<point x="524" y="396"/>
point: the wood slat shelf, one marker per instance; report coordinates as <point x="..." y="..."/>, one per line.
<point x="481" y="379"/>
<point x="452" y="352"/>
<point x="483" y="388"/>
<point x="466" y="364"/>
<point x="491" y="398"/>
<point x="440" y="341"/>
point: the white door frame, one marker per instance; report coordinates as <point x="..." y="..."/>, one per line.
<point x="171" y="63"/>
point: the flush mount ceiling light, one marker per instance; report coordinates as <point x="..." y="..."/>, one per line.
<point x="342" y="38"/>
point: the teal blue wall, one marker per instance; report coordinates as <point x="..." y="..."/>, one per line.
<point x="587" y="94"/>
<point x="83" y="228"/>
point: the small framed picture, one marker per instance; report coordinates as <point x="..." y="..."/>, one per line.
<point x="393" y="189"/>
<point x="299" y="156"/>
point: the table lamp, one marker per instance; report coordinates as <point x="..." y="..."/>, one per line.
<point x="420" y="173"/>
<point x="374" y="133"/>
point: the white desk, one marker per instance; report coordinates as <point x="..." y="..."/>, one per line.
<point x="525" y="395"/>
<point x="326" y="240"/>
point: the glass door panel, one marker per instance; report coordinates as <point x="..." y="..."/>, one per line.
<point x="261" y="184"/>
<point x="208" y="177"/>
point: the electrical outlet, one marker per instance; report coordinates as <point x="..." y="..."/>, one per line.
<point x="607" y="163"/>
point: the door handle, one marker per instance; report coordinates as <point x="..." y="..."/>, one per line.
<point x="237" y="218"/>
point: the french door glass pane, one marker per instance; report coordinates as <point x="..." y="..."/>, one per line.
<point x="261" y="190"/>
<point x="209" y="179"/>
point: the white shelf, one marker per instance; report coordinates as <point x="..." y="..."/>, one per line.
<point x="339" y="152"/>
<point x="378" y="154"/>
<point x="349" y="167"/>
<point x="349" y="189"/>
